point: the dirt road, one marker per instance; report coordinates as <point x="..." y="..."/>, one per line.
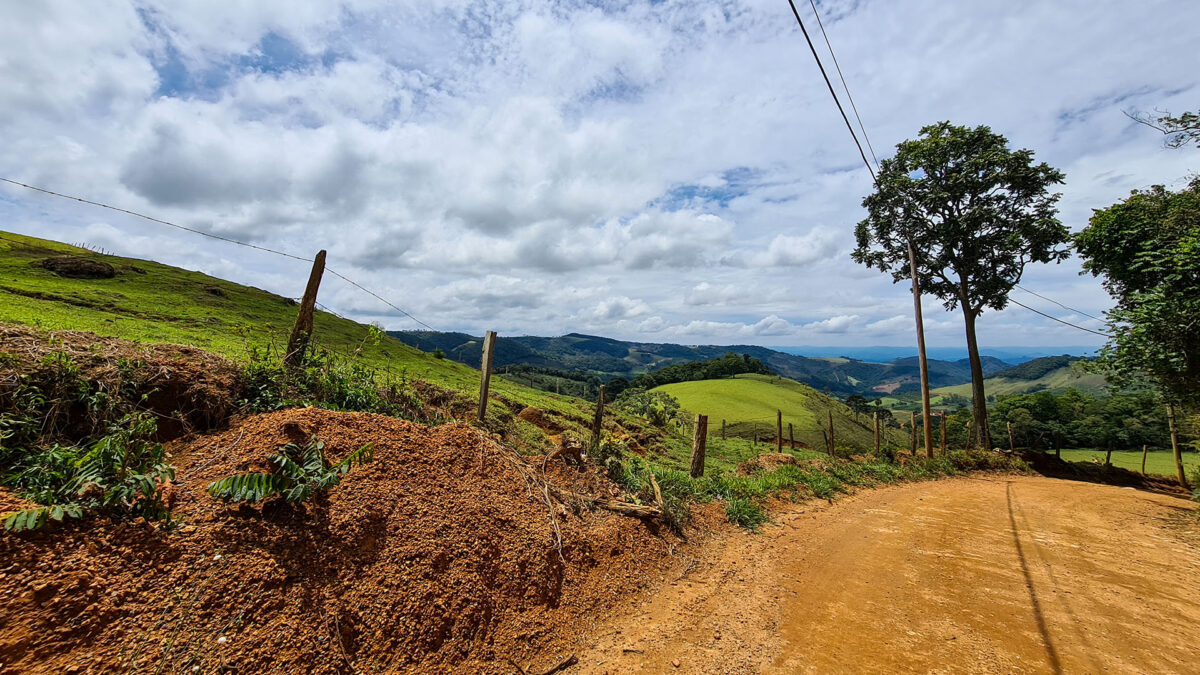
<point x="965" y="575"/>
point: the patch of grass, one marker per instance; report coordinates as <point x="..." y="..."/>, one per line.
<point x="748" y="404"/>
<point x="745" y="513"/>
<point x="1158" y="462"/>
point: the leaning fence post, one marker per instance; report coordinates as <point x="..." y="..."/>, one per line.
<point x="699" y="432"/>
<point x="778" y="431"/>
<point x="485" y="372"/>
<point x="303" y="328"/>
<point x="598" y="421"/>
<point x="912" y="433"/>
<point x="791" y="436"/>
<point x="876" y="433"/>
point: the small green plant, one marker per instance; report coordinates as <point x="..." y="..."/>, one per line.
<point x="745" y="513"/>
<point x="32" y="519"/>
<point x="438" y="354"/>
<point x="300" y="472"/>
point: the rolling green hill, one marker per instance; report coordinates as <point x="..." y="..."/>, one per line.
<point x="146" y="301"/>
<point x="748" y="404"/>
<point x="1057" y="380"/>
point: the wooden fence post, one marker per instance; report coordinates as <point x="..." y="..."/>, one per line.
<point x="598" y="422"/>
<point x="1108" y="455"/>
<point x="779" y="431"/>
<point x="943" y="432"/>
<point x="912" y="433"/>
<point x="303" y="328"/>
<point x="1144" y="449"/>
<point x="970" y="434"/>
<point x="1175" y="445"/>
<point x="1012" y="446"/>
<point x="791" y="436"/>
<point x="722" y="430"/>
<point x="876" y="416"/>
<point x="832" y="444"/>
<point x="485" y="373"/>
<point x="699" y="433"/>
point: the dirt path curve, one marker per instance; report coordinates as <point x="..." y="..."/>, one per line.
<point x="1012" y="574"/>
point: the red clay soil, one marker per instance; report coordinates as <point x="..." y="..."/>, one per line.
<point x="187" y="388"/>
<point x="435" y="556"/>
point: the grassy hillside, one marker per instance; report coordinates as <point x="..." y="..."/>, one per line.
<point x="748" y="404"/>
<point x="150" y="302"/>
<point x="1071" y="376"/>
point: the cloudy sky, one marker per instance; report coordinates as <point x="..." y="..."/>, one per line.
<point x="662" y="171"/>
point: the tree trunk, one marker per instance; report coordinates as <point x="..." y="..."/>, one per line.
<point x="978" y="397"/>
<point x="1175" y="445"/>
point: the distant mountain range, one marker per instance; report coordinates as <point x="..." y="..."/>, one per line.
<point x="609" y="358"/>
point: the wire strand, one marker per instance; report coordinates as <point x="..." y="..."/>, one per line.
<point x="1058" y="303"/>
<point x="832" y="93"/>
<point x="1055" y="318"/>
<point x="845" y="86"/>
<point x="218" y="237"/>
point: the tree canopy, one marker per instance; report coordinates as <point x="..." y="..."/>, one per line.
<point x="1147" y="250"/>
<point x="975" y="212"/>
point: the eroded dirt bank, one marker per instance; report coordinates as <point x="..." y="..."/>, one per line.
<point x="1008" y="574"/>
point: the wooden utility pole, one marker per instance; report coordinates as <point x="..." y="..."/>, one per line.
<point x="1144" y="449"/>
<point x="1175" y="445"/>
<point x="779" y="431"/>
<point x="832" y="443"/>
<point x="1012" y="446"/>
<point x="699" y="434"/>
<point x="943" y="433"/>
<point x="876" y="433"/>
<point x="303" y="328"/>
<point x="485" y="373"/>
<point x="598" y="421"/>
<point x="925" y="413"/>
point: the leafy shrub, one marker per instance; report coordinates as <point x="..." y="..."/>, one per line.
<point x="300" y="472"/>
<point x="438" y="354"/>
<point x="121" y="475"/>
<point x="656" y="406"/>
<point x="745" y="513"/>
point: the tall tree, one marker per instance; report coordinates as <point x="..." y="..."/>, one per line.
<point x="976" y="212"/>
<point x="1147" y="249"/>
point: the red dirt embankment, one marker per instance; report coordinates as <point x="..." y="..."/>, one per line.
<point x="434" y="556"/>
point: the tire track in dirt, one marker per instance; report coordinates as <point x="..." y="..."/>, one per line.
<point x="973" y="575"/>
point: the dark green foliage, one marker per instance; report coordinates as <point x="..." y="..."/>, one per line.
<point x="1039" y="367"/>
<point x="438" y="354"/>
<point x="1127" y="420"/>
<point x="1147" y="250"/>
<point x="656" y="406"/>
<point x="726" y="366"/>
<point x="121" y="475"/>
<point x="301" y="471"/>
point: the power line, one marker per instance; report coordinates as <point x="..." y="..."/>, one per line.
<point x="1058" y="303"/>
<point x="843" y="79"/>
<point x="832" y="93"/>
<point x="224" y="239"/>
<point x="156" y="220"/>
<point x="1055" y="318"/>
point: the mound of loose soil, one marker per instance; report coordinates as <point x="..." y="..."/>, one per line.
<point x="187" y="388"/>
<point x="435" y="556"/>
<point x="76" y="267"/>
<point x="541" y="419"/>
<point x="767" y="461"/>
